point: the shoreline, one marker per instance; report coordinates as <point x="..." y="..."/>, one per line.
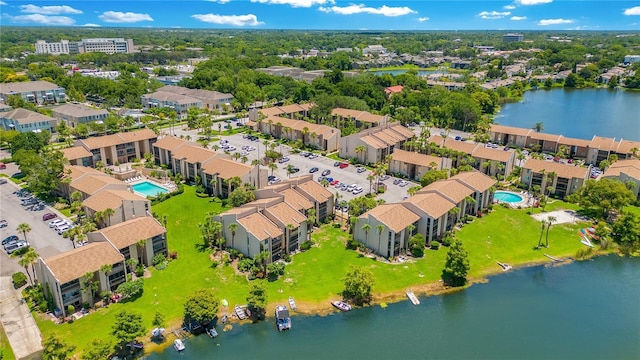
<point x="324" y="308"/>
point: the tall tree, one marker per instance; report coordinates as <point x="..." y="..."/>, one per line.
<point x="128" y="327"/>
<point x="100" y="349"/>
<point x="457" y="265"/>
<point x="550" y="221"/>
<point x="257" y="300"/>
<point x="202" y="306"/>
<point x="603" y="195"/>
<point x="358" y="283"/>
<point x="538" y="127"/>
<point x="55" y="348"/>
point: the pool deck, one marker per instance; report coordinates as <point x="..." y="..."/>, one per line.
<point x="167" y="186"/>
<point x="527" y="199"/>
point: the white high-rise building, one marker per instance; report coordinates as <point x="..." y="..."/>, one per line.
<point x="104" y="45"/>
<point x="57" y="48"/>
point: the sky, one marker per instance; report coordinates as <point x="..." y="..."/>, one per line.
<point x="329" y="14"/>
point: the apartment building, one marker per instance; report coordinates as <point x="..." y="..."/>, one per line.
<point x="318" y="136"/>
<point x="362" y="119"/>
<point x="511" y="37"/>
<point x="292" y="111"/>
<point x="555" y="178"/>
<point x="414" y="165"/>
<point x="103" y="45"/>
<point x="77" y="155"/>
<point x="181" y="99"/>
<point x="119" y="148"/>
<point x="74" y="114"/>
<point x="626" y="171"/>
<point x="23" y="120"/>
<point x="125" y="205"/>
<point x="36" y="92"/>
<point x="373" y="145"/>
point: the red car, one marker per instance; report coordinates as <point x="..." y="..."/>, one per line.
<point x="49" y="216"/>
<point x="343" y="165"/>
<point x="334" y="182"/>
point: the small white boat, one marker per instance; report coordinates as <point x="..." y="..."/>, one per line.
<point x="178" y="345"/>
<point x="586" y="241"/>
<point x="157" y="332"/>
<point x="292" y="304"/>
<point x="341" y="305"/>
<point x="413" y="298"/>
<point x="212" y="332"/>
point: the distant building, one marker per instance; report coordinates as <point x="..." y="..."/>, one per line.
<point x="374" y="49"/>
<point x="507" y="38"/>
<point x="103" y="45"/>
<point x="75" y="114"/>
<point x="631" y="59"/>
<point x="182" y="99"/>
<point x="35" y="92"/>
<point x="23" y="120"/>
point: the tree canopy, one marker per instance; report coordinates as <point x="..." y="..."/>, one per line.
<point x="257" y="300"/>
<point x="358" y="283"/>
<point x="202" y="306"/>
<point x="603" y="195"/>
<point x="457" y="265"/>
<point x="127" y="327"/>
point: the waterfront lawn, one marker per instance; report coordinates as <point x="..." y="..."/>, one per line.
<point x="5" y="348"/>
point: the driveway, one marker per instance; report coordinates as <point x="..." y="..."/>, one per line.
<point x="21" y="329"/>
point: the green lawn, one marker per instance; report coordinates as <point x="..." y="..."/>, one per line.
<point x="314" y="276"/>
<point x="6" y="353"/>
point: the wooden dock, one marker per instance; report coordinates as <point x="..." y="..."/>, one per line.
<point x="240" y="312"/>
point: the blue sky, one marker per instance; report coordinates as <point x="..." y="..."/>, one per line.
<point x="329" y="14"/>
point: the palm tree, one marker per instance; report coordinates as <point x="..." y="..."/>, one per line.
<point x="360" y="150"/>
<point x="544" y="224"/>
<point x="311" y="220"/>
<point x="370" y="177"/>
<point x="273" y="166"/>
<point x="106" y="269"/>
<point x="24" y="228"/>
<point x="550" y="221"/>
<point x="233" y="227"/>
<point x="366" y="227"/>
<point x="413" y="190"/>
<point x="380" y="229"/>
<point x="108" y="213"/>
<point x="539" y="126"/>
<point x="24" y="262"/>
<point x="305" y="131"/>
<point x="30" y="258"/>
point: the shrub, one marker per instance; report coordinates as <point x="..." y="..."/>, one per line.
<point x="140" y="270"/>
<point x="306" y="245"/>
<point x="447" y="241"/>
<point x="163" y="265"/>
<point x="287" y="258"/>
<point x="215" y="263"/>
<point x="246" y="264"/>
<point x="131" y="288"/>
<point x="19" y="279"/>
<point x="352" y="244"/>
<point x="158" y="258"/>
<point x="173" y="255"/>
<point x="71" y="309"/>
<point x="337" y="225"/>
<point x="435" y="245"/>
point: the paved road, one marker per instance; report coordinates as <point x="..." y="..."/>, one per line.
<point x="45" y="240"/>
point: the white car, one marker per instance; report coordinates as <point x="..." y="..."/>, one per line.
<point x="351" y="187"/>
<point x="56" y="222"/>
<point x="63" y="228"/>
<point x="357" y="190"/>
<point x="403" y="183"/>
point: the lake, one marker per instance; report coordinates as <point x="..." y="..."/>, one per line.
<point x="583" y="310"/>
<point x="577" y="113"/>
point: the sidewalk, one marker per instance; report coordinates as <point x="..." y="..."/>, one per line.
<point x="22" y="331"/>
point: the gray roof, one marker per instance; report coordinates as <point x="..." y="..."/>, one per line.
<point x="20" y="87"/>
<point x="24" y="116"/>
<point x="195" y="93"/>
<point x="78" y="110"/>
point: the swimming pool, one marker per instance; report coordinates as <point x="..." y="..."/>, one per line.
<point x="147" y="188"/>
<point x="507" y="197"/>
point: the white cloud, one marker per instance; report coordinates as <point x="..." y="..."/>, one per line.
<point x="509" y="7"/>
<point x="548" y="22"/>
<point x="362" y="9"/>
<point x="493" y="14"/>
<point x="632" y="11"/>
<point x="533" y="2"/>
<point x="423" y="19"/>
<point x="518" y="18"/>
<point x="219" y="1"/>
<point x="294" y="3"/>
<point x="235" y="20"/>
<point x="3" y="3"/>
<point x="90" y="25"/>
<point x="43" y="19"/>
<point x="122" y="17"/>
<point x="48" y="10"/>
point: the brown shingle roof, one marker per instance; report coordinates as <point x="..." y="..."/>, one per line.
<point x="492" y="154"/>
<point x="395" y="216"/>
<point x="71" y="265"/>
<point x="544" y="136"/>
<point x="117" y="139"/>
<point x="476" y="180"/>
<point x="462" y="146"/>
<point x="74" y="172"/>
<point x="75" y="152"/>
<point x="19" y="87"/>
<point x="225" y="168"/>
<point x="260" y="226"/>
<point x="110" y="199"/>
<point x="128" y="233"/>
<point x="357" y="115"/>
<point x="434" y="204"/>
<point x="90" y="184"/>
<point x="402" y="131"/>
<point x="562" y="170"/>
<point x="602" y="143"/>
<point x="575" y="142"/>
<point x="295" y="200"/>
<point x="629" y="167"/>
<point x="625" y="146"/>
<point x="374" y="142"/>
<point x="502" y="129"/>
<point x="193" y="154"/>
<point x="286" y="214"/>
<point x="415" y="158"/>
<point x="452" y="189"/>
<point x="78" y="110"/>
<point x="316" y="191"/>
<point x="170" y="143"/>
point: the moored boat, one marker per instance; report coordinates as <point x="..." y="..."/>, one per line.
<point x="178" y="345"/>
<point x="283" y="320"/>
<point x="292" y="304"/>
<point x="413" y="298"/>
<point x="341" y="305"/>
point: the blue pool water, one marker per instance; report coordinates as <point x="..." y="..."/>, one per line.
<point x="148" y="189"/>
<point x="507" y="197"/>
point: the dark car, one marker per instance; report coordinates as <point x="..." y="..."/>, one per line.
<point x="3" y="223"/>
<point x="337" y="163"/>
<point x="326" y="172"/>
<point x="9" y="239"/>
<point x="313" y="169"/>
<point x="293" y="170"/>
<point x="49" y="216"/>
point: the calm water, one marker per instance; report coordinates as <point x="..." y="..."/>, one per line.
<point x="578" y="113"/>
<point x="584" y="310"/>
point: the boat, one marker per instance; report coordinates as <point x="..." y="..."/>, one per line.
<point x="413" y="298"/>
<point x="136" y="345"/>
<point x="212" y="332"/>
<point x="554" y="258"/>
<point x="586" y="241"/>
<point x="178" y="345"/>
<point x="505" y="267"/>
<point x="292" y="304"/>
<point x="240" y="312"/>
<point x="224" y="319"/>
<point x="343" y="306"/>
<point x="157" y="332"/>
<point x="283" y="320"/>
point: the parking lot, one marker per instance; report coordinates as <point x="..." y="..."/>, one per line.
<point x="45" y="240"/>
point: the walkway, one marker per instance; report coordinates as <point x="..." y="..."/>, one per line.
<point x="22" y="331"/>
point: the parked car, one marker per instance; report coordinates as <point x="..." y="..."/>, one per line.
<point x="293" y="170"/>
<point x="283" y="160"/>
<point x="337" y="163"/>
<point x="313" y="169"/>
<point x="384" y="177"/>
<point x="3" y="223"/>
<point x="334" y="182"/>
<point x="63" y="228"/>
<point x="49" y="216"/>
<point x="3" y="166"/>
<point x="357" y="190"/>
<point x="396" y="181"/>
<point x="9" y="239"/>
<point x="361" y="169"/>
<point x="343" y="165"/>
<point x="403" y="183"/>
<point x="56" y="222"/>
<point x="15" y="247"/>
<point x="3" y="181"/>
<point x="271" y="177"/>
<point x="313" y="156"/>
<point x="326" y="172"/>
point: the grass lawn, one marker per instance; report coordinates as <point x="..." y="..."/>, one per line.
<point x="315" y="275"/>
<point x="6" y="353"/>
